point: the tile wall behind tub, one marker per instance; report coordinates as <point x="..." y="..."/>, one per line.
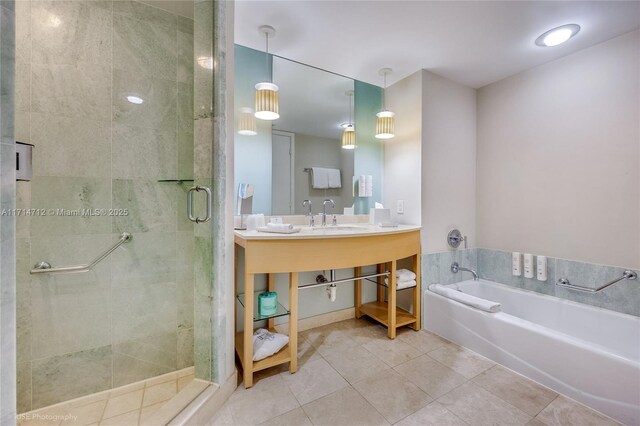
<point x="131" y="317"/>
<point x="495" y="265"/>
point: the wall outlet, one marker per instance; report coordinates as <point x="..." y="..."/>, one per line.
<point x="400" y="207"/>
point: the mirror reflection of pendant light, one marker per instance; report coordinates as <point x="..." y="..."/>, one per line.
<point x="384" y="119"/>
<point x="247" y="122"/>
<point x="267" y="92"/>
<point x="349" y="134"/>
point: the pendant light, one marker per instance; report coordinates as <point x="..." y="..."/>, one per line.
<point x="247" y="122"/>
<point x="384" y="119"/>
<point x="267" y="92"/>
<point x="349" y="134"/>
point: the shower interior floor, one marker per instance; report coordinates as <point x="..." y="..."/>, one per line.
<point x="126" y="405"/>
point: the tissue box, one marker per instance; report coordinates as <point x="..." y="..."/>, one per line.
<point x="267" y="303"/>
<point x="377" y="216"/>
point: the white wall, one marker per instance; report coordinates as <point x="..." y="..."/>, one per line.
<point x="448" y="161"/>
<point x="559" y="154"/>
<point x="402" y="168"/>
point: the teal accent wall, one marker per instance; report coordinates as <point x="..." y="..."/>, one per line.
<point x="252" y="156"/>
<point x="369" y="154"/>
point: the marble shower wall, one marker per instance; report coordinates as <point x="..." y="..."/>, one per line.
<point x="495" y="265"/>
<point x="131" y="317"/>
<point x="7" y="221"/>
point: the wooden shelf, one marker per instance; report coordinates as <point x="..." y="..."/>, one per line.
<point x="281" y="357"/>
<point x="380" y="312"/>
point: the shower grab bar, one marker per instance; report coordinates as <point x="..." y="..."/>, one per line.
<point x="564" y="282"/>
<point x="46" y="268"/>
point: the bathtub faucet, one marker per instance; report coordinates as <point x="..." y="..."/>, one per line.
<point x="455" y="268"/>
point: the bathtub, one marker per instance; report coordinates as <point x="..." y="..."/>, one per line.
<point x="589" y="354"/>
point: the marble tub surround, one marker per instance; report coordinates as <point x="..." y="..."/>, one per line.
<point x="132" y="404"/>
<point x="7" y="223"/>
<point x="495" y="265"/>
<point x="344" y="379"/>
<point x="131" y="317"/>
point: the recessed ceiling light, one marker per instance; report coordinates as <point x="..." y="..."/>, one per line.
<point x="135" y="99"/>
<point x="557" y="35"/>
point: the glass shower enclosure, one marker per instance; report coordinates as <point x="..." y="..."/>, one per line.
<point x="104" y="91"/>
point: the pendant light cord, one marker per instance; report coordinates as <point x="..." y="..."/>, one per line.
<point x="266" y="58"/>
<point x="350" y="99"/>
<point x="384" y="101"/>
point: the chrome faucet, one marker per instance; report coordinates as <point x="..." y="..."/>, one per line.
<point x="324" y="210"/>
<point x="455" y="268"/>
<point x="312" y="221"/>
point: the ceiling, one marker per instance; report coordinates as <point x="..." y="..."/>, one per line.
<point x="474" y="43"/>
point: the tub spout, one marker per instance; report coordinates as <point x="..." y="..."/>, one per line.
<point x="455" y="267"/>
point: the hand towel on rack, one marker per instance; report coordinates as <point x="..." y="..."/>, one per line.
<point x="334" y="178"/>
<point x="467" y="299"/>
<point x="319" y="178"/>
<point x="369" y="186"/>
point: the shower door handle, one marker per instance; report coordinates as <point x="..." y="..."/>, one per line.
<point x="192" y="218"/>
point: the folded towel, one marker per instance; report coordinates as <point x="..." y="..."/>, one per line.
<point x="280" y="226"/>
<point x="319" y="178"/>
<point x="467" y="299"/>
<point x="405" y="275"/>
<point x="402" y="284"/>
<point x="334" y="178"/>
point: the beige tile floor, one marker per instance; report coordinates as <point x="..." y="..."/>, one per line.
<point x="123" y="406"/>
<point x="351" y="374"/>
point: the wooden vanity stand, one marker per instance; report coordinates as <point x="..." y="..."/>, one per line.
<point x="295" y="253"/>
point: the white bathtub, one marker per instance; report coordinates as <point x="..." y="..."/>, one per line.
<point x="588" y="353"/>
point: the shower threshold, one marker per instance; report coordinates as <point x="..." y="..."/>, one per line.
<point x="133" y="404"/>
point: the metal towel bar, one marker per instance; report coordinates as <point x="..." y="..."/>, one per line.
<point x="46" y="268"/>
<point x="564" y="282"/>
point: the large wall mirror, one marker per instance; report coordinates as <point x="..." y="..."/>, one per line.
<point x="314" y="105"/>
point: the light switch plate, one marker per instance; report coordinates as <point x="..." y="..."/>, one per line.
<point x="400" y="207"/>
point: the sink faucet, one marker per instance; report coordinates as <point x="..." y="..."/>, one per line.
<point x="312" y="222"/>
<point x="455" y="267"/>
<point x="324" y="210"/>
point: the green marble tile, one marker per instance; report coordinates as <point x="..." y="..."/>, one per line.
<point x="151" y="206"/>
<point x="23" y="85"/>
<point x="77" y="91"/>
<point x="144" y="47"/>
<point x="69" y="194"/>
<point x="185" y="278"/>
<point x="140" y="152"/>
<point x="185" y="348"/>
<point x="185" y="58"/>
<point x="23" y="201"/>
<point x="127" y="369"/>
<point x="23" y="30"/>
<point x="64" y="377"/>
<point x="159" y="109"/>
<point x="23" y="386"/>
<point x="159" y="349"/>
<point x="147" y="310"/>
<point x="185" y="25"/>
<point x="203" y="148"/>
<point x="134" y="9"/>
<point x="71" y="32"/>
<point x="147" y="258"/>
<point x="184" y="224"/>
<point x="23" y="300"/>
<point x="69" y="312"/>
<point x="69" y="147"/>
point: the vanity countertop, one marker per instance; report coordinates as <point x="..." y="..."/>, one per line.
<point x="339" y="231"/>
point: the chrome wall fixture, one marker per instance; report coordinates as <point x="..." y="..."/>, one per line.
<point x="46" y="268"/>
<point x="454" y="238"/>
<point x="626" y="275"/>
<point x="455" y="268"/>
<point x="207" y="191"/>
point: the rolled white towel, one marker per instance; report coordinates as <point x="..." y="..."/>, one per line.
<point x="280" y="226"/>
<point x="405" y="275"/>
<point x="467" y="299"/>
